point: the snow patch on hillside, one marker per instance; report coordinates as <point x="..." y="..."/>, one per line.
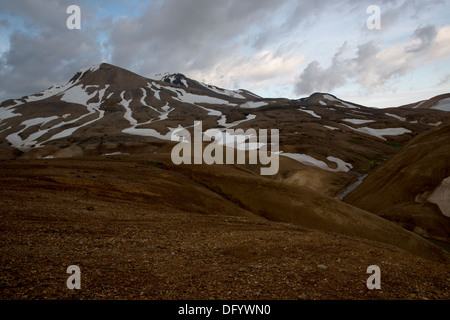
<point x="223" y="121"/>
<point x="342" y="103"/>
<point x="50" y="92"/>
<point x="128" y="113"/>
<point x="236" y="141"/>
<point x="92" y="108"/>
<point x="191" y="98"/>
<point x="358" y="121"/>
<point x="92" y="68"/>
<point x="211" y="112"/>
<point x="380" y="133"/>
<point x="419" y="104"/>
<point x="396" y="116"/>
<point x="78" y="95"/>
<point x="443" y="105"/>
<point x="440" y="197"/>
<point x="20" y="143"/>
<point x="152" y="132"/>
<point x="7" y="113"/>
<point x="250" y="94"/>
<point x="194" y="98"/>
<point x="311" y="113"/>
<point x="342" y="166"/>
<point x="230" y="93"/>
<point x="253" y="105"/>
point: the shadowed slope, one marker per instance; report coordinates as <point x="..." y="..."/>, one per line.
<point x="400" y="189"/>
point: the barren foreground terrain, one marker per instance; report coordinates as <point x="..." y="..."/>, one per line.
<point x="140" y="230"/>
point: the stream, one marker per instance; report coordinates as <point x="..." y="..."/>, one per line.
<point x="351" y="187"/>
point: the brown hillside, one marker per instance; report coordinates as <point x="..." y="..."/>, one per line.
<point x="399" y="190"/>
<point x="139" y="229"/>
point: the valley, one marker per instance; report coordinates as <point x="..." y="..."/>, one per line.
<point x="88" y="178"/>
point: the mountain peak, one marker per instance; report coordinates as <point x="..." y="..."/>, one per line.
<point x="173" y="78"/>
<point x="105" y="73"/>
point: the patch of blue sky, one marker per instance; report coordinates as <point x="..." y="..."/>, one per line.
<point x="120" y="8"/>
<point x="16" y="24"/>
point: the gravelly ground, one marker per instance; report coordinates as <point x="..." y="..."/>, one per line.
<point x="133" y="247"/>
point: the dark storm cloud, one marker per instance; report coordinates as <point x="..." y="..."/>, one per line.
<point x="38" y="13"/>
<point x="230" y="41"/>
<point x="190" y="34"/>
<point x="46" y="52"/>
<point x="170" y="35"/>
<point x="29" y="65"/>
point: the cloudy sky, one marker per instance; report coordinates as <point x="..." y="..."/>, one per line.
<point x="283" y="48"/>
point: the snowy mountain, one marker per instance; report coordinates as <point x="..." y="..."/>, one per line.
<point x="441" y="102"/>
<point x="105" y="109"/>
<point x="87" y="165"/>
<point x="181" y="80"/>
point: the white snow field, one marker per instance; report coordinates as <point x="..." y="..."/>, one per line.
<point x="50" y="92"/>
<point x="380" y="133"/>
<point x="237" y="141"/>
<point x="419" y="104"/>
<point x="75" y="94"/>
<point x="308" y="160"/>
<point x="358" y="121"/>
<point x="440" y="197"/>
<point x="311" y="113"/>
<point x="191" y="98"/>
<point x="396" y="116"/>
<point x="23" y="144"/>
<point x="443" y="105"/>
<point x="253" y="105"/>
<point x="230" y="93"/>
<point x="7" y="113"/>
<point x="342" y="103"/>
<point x="223" y="121"/>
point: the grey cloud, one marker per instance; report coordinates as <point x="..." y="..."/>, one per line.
<point x="199" y="36"/>
<point x="315" y="78"/>
<point x="308" y="11"/>
<point x="50" y="53"/>
<point x="4" y="23"/>
<point x="365" y="68"/>
<point x="185" y="35"/>
<point x="34" y="62"/>
<point x="425" y="35"/>
<point x="394" y="10"/>
<point x="38" y="14"/>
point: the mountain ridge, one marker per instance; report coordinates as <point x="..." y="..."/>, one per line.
<point x="88" y="166"/>
<point x="150" y="109"/>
